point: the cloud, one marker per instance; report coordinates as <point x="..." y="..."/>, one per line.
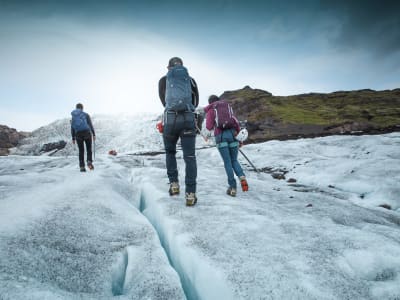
<point x="110" y="55"/>
<point x="371" y="25"/>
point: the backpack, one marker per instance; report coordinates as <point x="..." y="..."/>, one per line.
<point x="224" y="118"/>
<point x="79" y="121"/>
<point x="178" y="94"/>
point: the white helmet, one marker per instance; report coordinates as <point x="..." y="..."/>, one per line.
<point x="242" y="135"/>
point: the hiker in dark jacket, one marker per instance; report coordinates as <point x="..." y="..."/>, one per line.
<point x="162" y="87"/>
<point x="179" y="95"/>
<point x="227" y="146"/>
<point x="82" y="131"/>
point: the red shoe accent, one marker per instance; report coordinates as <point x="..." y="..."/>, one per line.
<point x="245" y="186"/>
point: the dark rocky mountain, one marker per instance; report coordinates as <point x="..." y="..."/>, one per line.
<point x="315" y="114"/>
<point x="9" y="137"/>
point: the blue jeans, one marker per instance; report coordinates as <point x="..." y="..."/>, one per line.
<point x="181" y="125"/>
<point x="228" y="147"/>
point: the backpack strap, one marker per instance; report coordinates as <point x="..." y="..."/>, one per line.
<point x="216" y="114"/>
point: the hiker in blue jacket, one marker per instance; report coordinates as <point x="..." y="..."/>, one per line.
<point x="179" y="95"/>
<point x="82" y="131"/>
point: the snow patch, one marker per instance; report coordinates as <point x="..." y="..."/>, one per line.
<point x="380" y="268"/>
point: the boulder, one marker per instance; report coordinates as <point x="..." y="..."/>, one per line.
<point x="9" y="138"/>
<point x="53" y="146"/>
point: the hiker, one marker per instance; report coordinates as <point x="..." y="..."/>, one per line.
<point x="179" y="95"/>
<point x="82" y="131"/>
<point x="220" y="118"/>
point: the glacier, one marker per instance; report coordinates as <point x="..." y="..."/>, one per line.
<point x="116" y="233"/>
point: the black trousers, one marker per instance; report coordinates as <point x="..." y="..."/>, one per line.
<point x="181" y="126"/>
<point x="84" y="137"/>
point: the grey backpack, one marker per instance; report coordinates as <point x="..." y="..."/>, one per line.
<point x="178" y="94"/>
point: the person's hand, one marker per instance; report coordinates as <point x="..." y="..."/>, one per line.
<point x="73" y="142"/>
<point x="207" y="133"/>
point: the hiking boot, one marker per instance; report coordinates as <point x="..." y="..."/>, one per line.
<point x="90" y="165"/>
<point x="243" y="183"/>
<point x="231" y="191"/>
<point x="82" y="169"/>
<point x="174" y="188"/>
<point x="191" y="199"/>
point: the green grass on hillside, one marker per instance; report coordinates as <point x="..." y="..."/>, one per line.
<point x="380" y="109"/>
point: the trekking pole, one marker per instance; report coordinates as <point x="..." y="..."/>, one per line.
<point x="255" y="169"/>
<point x="94" y="149"/>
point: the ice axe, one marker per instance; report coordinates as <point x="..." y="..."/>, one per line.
<point x="94" y="148"/>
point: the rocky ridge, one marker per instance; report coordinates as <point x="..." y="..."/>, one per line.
<point x="9" y="138"/>
<point x="315" y="114"/>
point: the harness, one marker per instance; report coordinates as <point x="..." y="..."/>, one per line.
<point x="226" y="144"/>
<point x="174" y="114"/>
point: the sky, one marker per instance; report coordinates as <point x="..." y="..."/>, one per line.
<point x="109" y="55"/>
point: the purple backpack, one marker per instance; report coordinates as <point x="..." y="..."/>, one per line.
<point x="224" y="118"/>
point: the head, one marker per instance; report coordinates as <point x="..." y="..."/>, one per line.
<point x="175" y="61"/>
<point x="212" y="99"/>
<point x="79" y="106"/>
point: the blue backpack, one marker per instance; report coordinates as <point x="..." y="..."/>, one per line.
<point x="79" y="121"/>
<point x="178" y="94"/>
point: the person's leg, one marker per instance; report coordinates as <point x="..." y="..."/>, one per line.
<point x="188" y="143"/>
<point x="223" y="149"/>
<point x="170" y="157"/>
<point x="238" y="168"/>
<point x="88" y="142"/>
<point x="81" y="149"/>
<point x="170" y="138"/>
<point x="235" y="163"/>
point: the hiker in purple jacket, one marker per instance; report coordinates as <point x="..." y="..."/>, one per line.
<point x="226" y="143"/>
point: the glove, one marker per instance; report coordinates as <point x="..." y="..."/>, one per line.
<point x="160" y="127"/>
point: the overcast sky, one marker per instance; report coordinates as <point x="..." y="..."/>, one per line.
<point x="109" y="55"/>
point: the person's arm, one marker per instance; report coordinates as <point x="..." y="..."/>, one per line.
<point x="161" y="89"/>
<point x="195" y="92"/>
<point x="73" y="134"/>
<point x="210" y="119"/>
<point x="89" y="121"/>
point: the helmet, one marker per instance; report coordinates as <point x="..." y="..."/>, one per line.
<point x="242" y="135"/>
<point x="175" y="61"/>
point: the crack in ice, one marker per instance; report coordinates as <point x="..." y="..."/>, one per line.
<point x="119" y="274"/>
<point x="199" y="279"/>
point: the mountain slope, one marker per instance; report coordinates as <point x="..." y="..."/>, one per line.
<point x="123" y="133"/>
<point x="315" y="114"/>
